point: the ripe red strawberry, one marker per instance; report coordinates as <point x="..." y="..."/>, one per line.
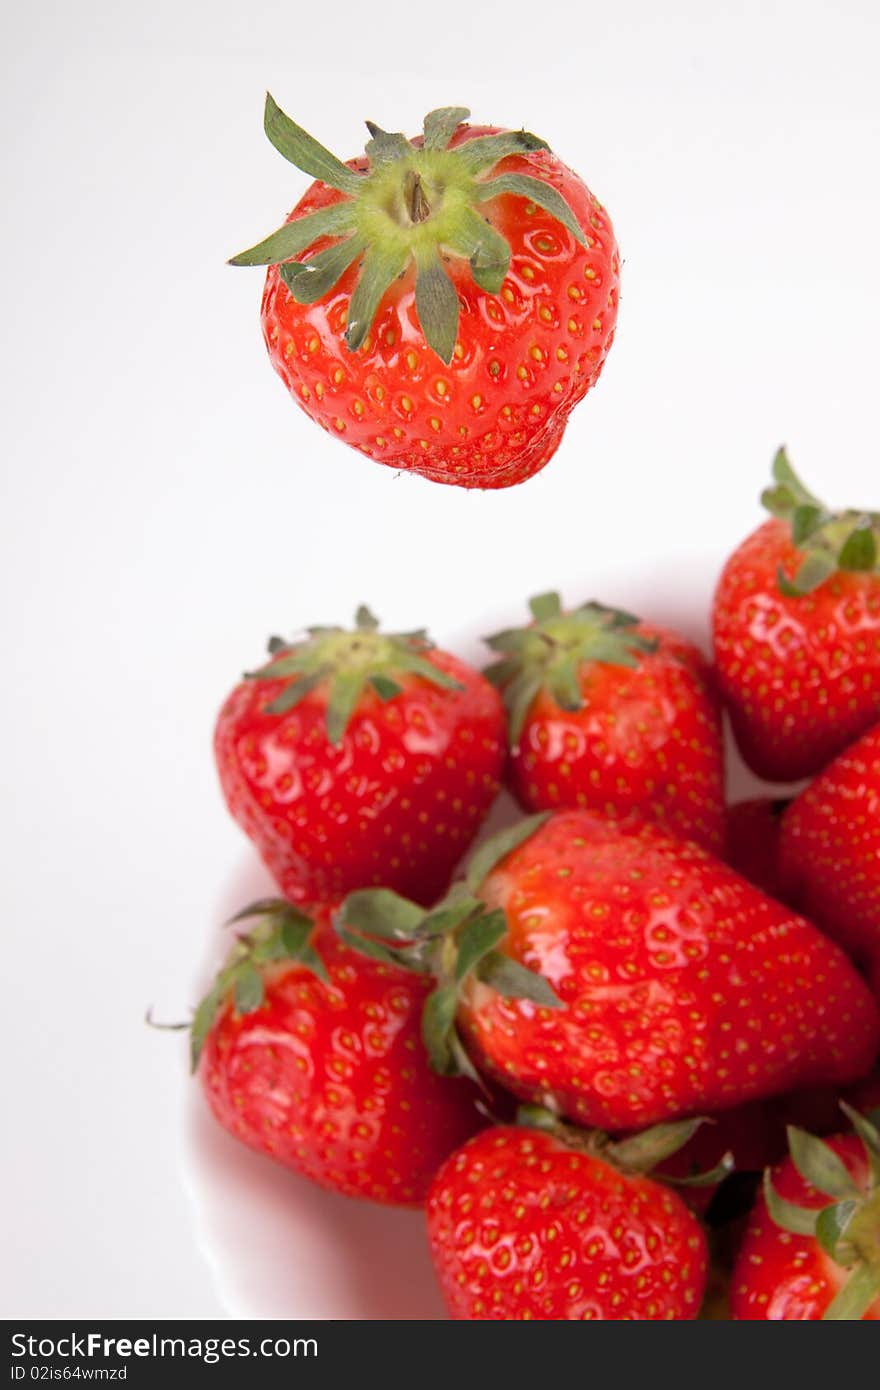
<point x="752" y="840"/>
<point x="797" y="632"/>
<point x="677" y="987"/>
<point x="357" y="758"/>
<point x="440" y="305"/>
<point x="830" y="852"/>
<point x="805" y="1258"/>
<point x="311" y="1055"/>
<point x="613" y="714"/>
<point x="561" y="1226"/>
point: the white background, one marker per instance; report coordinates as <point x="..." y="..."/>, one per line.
<point x="165" y="506"/>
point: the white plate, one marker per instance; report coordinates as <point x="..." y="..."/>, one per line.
<point x="280" y="1247"/>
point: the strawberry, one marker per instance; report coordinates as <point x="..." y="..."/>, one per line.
<point x="751" y="843"/>
<point x="805" y="1258"/>
<point x="442" y="304"/>
<point x="357" y="758"/>
<point x="613" y="714"/>
<point x="622" y="976"/>
<point x="830" y="852"/>
<point x="560" y="1225"/>
<point x="311" y="1055"/>
<point x="797" y="632"/>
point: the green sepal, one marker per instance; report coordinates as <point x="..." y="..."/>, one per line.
<point x="346" y="688"/>
<point x="711" y="1177"/>
<point x="819" y="1165"/>
<point x="283" y="932"/>
<point x="813" y="570"/>
<point x="789" y="493"/>
<point x="440" y="125"/>
<point x="438" y="1025"/>
<point x="831" y="1225"/>
<point x="381" y="267"/>
<point x="487" y="252"/>
<point x="308" y="281"/>
<point x="385" y="688"/>
<point x="451" y="914"/>
<point x="544" y="606"/>
<point x="300" y="149"/>
<point x="294" y="237"/>
<point x="544" y="195"/>
<point x="513" y="980"/>
<point x="639" y="1153"/>
<point x="485" y="151"/>
<point x="374" y="950"/>
<point x="800" y="1221"/>
<point x="859" y="550"/>
<point x="249" y="992"/>
<point x="381" y="912"/>
<point x="455" y="941"/>
<point x="852" y="1302"/>
<point x="293" y="694"/>
<point x="437" y="306"/>
<point x="477" y="938"/>
<point x="868" y="1131"/>
<point x="491" y="853"/>
<point x="384" y="146"/>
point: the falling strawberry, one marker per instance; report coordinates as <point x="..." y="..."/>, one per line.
<point x="622" y="976"/>
<point x="442" y="304"/>
<point x="830" y="852"/>
<point x="613" y="714"/>
<point x="358" y="758"/>
<point x="751" y="844"/>
<point x="311" y="1055"/>
<point x="797" y="632"/>
<point x="806" y="1258"/>
<point x="564" y="1225"/>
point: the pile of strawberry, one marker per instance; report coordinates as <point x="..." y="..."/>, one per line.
<point x="628" y="964"/>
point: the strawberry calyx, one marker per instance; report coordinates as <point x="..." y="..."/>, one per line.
<point x="829" y="541"/>
<point x="635" y="1153"/>
<point x="455" y="942"/>
<point x="549" y="653"/>
<point x="848" y="1228"/>
<point x="416" y="203"/>
<point x="347" y="662"/>
<point x="283" y="932"/>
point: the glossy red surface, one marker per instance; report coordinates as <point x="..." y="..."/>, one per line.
<point x="522" y="1227"/>
<point x="800" y="676"/>
<point x="684" y="989"/>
